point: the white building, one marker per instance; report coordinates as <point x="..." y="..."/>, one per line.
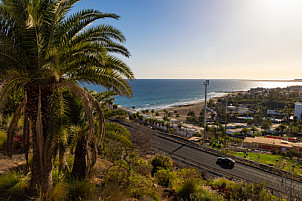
<point x="298" y="110"/>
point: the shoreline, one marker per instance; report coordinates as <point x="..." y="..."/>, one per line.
<point x="183" y="110"/>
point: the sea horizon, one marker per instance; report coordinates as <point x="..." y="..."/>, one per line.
<point x="166" y="93"/>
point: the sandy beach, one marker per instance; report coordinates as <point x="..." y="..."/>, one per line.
<point x="183" y="110"/>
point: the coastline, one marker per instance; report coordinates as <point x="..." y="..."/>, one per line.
<point x="183" y="110"/>
<point x="296" y="80"/>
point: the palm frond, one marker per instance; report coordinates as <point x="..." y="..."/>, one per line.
<point x="9" y="86"/>
<point x="118" y="133"/>
<point x="115" y="48"/>
<point x="82" y="95"/>
<point x="118" y="65"/>
<point x="100" y="33"/>
<point x="74" y="24"/>
<point x="104" y="77"/>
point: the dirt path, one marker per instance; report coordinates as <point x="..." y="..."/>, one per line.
<point x="7" y="164"/>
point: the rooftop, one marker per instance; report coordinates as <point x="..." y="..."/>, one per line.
<point x="271" y="141"/>
<point x="298" y="103"/>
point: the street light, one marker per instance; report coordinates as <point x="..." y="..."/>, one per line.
<point x="206" y="83"/>
<point x="226" y="119"/>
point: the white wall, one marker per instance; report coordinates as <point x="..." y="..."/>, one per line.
<point x="298" y="110"/>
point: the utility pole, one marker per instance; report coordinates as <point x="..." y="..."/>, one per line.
<point x="226" y="119"/>
<point x="206" y="83"/>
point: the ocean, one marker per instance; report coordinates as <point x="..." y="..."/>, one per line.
<point x="164" y="93"/>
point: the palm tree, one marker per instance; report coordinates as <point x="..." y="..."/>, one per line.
<point x="179" y="125"/>
<point x="245" y="131"/>
<point x="152" y="112"/>
<point x="282" y="128"/>
<point x="254" y="129"/>
<point x="42" y="51"/>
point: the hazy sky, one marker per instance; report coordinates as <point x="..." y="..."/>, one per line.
<point x="247" y="39"/>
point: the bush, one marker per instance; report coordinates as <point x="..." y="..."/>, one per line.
<point x="275" y="151"/>
<point x="161" y="161"/>
<point x="141" y="187"/>
<point x="2" y="138"/>
<point x="197" y="134"/>
<point x="165" y="177"/>
<point x="59" y="193"/>
<point x="187" y="189"/>
<point x="244" y="191"/>
<point x="112" y="192"/>
<point x="132" y="116"/>
<point x="291" y="153"/>
<point x="144" y="167"/>
<point x="13" y="182"/>
<point x="171" y="131"/>
<point x="81" y="190"/>
<point x="188" y="183"/>
<point x="205" y="195"/>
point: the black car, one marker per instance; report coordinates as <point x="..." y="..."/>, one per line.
<point x="222" y="161"/>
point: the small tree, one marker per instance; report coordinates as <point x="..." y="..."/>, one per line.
<point x="161" y="161"/>
<point x="179" y="125"/>
<point x="254" y="129"/>
<point x="245" y="131"/>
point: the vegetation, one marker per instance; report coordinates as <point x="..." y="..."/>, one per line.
<point x="281" y="161"/>
<point x="76" y="154"/>
<point x="42" y="50"/>
<point x="2" y="138"/>
<point x="161" y="162"/>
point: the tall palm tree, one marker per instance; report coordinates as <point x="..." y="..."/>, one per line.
<point x="42" y="50"/>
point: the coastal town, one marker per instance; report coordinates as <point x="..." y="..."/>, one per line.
<point x="259" y="121"/>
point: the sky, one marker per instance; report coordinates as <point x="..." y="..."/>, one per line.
<point x="209" y="39"/>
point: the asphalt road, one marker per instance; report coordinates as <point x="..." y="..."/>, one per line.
<point x="250" y="173"/>
<point x="284" y="185"/>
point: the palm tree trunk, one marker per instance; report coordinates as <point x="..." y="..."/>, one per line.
<point x="38" y="111"/>
<point x="41" y="177"/>
<point x="80" y="168"/>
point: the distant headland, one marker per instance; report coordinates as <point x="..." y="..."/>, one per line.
<point x="294" y="80"/>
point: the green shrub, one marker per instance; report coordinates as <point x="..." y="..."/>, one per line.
<point x="275" y="151"/>
<point x="187" y="173"/>
<point x="81" y="190"/>
<point x="161" y="161"/>
<point x="2" y="138"/>
<point x="291" y="153"/>
<point x="188" y="183"/>
<point x="128" y="184"/>
<point x="13" y="182"/>
<point x="187" y="189"/>
<point x="112" y="191"/>
<point x="165" y="177"/>
<point x="220" y="181"/>
<point x="205" y="195"/>
<point x="9" y="180"/>
<point x="60" y="192"/>
<point x="141" y="187"/>
<point x="244" y="191"/>
<point x="144" y="167"/>
<point x="197" y="134"/>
